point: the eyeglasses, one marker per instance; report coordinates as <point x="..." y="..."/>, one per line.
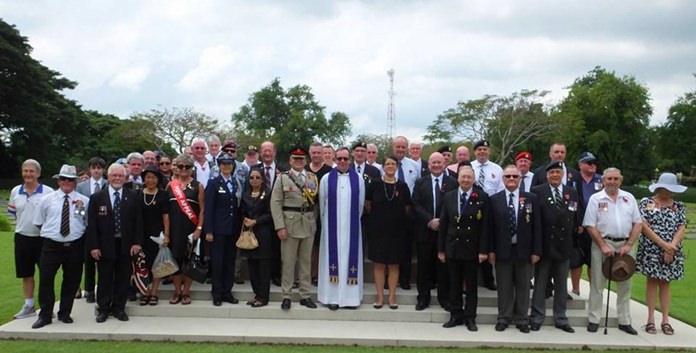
<point x="254" y="177"/>
<point x="511" y="176"/>
<point x="199" y="148"/>
<point x="165" y="163"/>
<point x="371" y="152"/>
<point x="65" y="179"/>
<point x="342" y="159"/>
<point x="184" y="166"/>
<point x="230" y="151"/>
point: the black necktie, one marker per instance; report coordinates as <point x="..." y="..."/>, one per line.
<point x="522" y="183"/>
<point x="359" y="170"/>
<point x="437" y="196"/>
<point x="558" y="199"/>
<point x="117" y="212"/>
<point x="401" y="173"/>
<point x="65" y="218"/>
<point x="462" y="203"/>
<point x="512" y="222"/>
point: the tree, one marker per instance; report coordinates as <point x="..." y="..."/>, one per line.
<point x="676" y="134"/>
<point x="609" y="116"/>
<point x="178" y="126"/>
<point x="288" y="117"/>
<point x="36" y="120"/>
<point x="507" y="122"/>
<point x="382" y="141"/>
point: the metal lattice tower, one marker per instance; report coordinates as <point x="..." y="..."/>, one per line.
<point x="391" y="117"/>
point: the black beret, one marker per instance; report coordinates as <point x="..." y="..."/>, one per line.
<point x="359" y="144"/>
<point x="481" y="143"/>
<point x="554" y="165"/>
<point x="444" y="149"/>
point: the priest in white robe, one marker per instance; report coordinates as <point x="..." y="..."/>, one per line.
<point x="341" y="200"/>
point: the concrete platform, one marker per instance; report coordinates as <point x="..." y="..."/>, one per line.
<point x="364" y="326"/>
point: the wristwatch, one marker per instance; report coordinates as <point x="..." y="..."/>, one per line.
<point x="199" y="228"/>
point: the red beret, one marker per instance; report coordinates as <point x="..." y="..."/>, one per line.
<point x="525" y="155"/>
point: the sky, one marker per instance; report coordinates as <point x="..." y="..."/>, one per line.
<point x="134" y="56"/>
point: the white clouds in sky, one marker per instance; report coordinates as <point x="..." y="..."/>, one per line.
<point x="212" y="54"/>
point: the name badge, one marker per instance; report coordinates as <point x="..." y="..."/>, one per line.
<point x="572" y="206"/>
<point x="221" y="190"/>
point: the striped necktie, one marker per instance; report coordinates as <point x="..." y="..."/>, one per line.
<point x="65" y="217"/>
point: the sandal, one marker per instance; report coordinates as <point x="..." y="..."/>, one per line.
<point x="258" y="304"/>
<point x="175" y="299"/>
<point x="650" y="328"/>
<point x="185" y="299"/>
<point x="153" y="300"/>
<point x="667" y="329"/>
<point x="144" y="300"/>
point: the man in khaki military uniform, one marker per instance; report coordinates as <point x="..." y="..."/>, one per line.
<point x="294" y="216"/>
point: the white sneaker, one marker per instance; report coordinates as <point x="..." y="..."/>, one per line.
<point x="27" y="311"/>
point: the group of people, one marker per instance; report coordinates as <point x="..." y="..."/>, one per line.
<point x="315" y="220"/>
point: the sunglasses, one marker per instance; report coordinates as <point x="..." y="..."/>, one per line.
<point x="342" y="159"/>
<point x="230" y="151"/>
<point x="253" y="177"/>
<point x="165" y="163"/>
<point x="65" y="179"/>
<point x="184" y="166"/>
<point x="511" y="176"/>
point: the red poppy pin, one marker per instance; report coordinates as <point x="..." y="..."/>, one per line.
<point x="474" y="195"/>
<point x="566" y="197"/>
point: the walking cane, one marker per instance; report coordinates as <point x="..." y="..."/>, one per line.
<point x="606" y="316"/>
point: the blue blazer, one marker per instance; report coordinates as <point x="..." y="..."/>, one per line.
<point x="222" y="214"/>
<point x="528" y="227"/>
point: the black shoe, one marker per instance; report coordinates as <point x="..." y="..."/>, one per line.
<point x="217" y="302"/>
<point x="500" y="327"/>
<point x="120" y="315"/>
<point x="453" y="322"/>
<point x="628" y="329"/>
<point x="41" y="322"/>
<point x="285" y="305"/>
<point x="239" y="281"/>
<point x="230" y="299"/>
<point x="471" y="325"/>
<point x="276" y="282"/>
<point x="333" y="307"/>
<point x="66" y="319"/>
<point x="421" y="306"/>
<point x="102" y="316"/>
<point x="565" y="328"/>
<point x="535" y="327"/>
<point x="405" y="285"/>
<point x="308" y="303"/>
<point x="491" y="286"/>
<point x="591" y="327"/>
<point x="90" y="297"/>
<point x="523" y="328"/>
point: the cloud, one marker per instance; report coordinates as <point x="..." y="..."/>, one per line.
<point x="130" y="78"/>
<point x="212" y="62"/>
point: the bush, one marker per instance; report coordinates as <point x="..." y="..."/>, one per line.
<point x="5" y="225"/>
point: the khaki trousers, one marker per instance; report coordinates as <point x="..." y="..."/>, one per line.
<point x="599" y="282"/>
<point x="296" y="252"/>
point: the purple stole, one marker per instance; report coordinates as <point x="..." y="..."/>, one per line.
<point x="354" y="226"/>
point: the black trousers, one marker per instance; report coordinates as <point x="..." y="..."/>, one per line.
<point x="114" y="281"/>
<point x="223" y="253"/>
<point x="260" y="276"/>
<point x="90" y="272"/>
<point x="54" y="255"/>
<point x="463" y="272"/>
<point x="276" y="263"/>
<point x="431" y="271"/>
<point x="405" y="266"/>
<point x="487" y="273"/>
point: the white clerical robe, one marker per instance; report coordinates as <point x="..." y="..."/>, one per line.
<point x="340" y="293"/>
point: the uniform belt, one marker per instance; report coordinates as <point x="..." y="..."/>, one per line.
<point x="615" y="239"/>
<point x="302" y="209"/>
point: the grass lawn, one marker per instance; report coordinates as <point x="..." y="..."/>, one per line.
<point x="683" y="308"/>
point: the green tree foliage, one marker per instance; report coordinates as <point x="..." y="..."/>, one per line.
<point x="36" y="120"/>
<point x="176" y="126"/>
<point x="288" y="117"/>
<point x="382" y="141"/>
<point x="510" y="123"/>
<point x="609" y="116"/>
<point x="676" y="136"/>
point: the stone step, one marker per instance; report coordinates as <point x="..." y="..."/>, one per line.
<point x="243" y="292"/>
<point x="365" y="312"/>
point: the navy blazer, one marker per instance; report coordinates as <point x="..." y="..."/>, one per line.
<point x="529" y="241"/>
<point x="464" y="237"/>
<point x="222" y="215"/>
<point x="101" y="225"/>
<point x="559" y="225"/>
<point x="370" y="173"/>
<point x="423" y="203"/>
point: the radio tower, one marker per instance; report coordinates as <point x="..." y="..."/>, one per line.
<point x="390" y="110"/>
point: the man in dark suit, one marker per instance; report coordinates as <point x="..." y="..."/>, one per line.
<point x="560" y="223"/>
<point x="366" y="171"/>
<point x="462" y="244"/>
<point x="428" y="194"/>
<point x="557" y="153"/>
<point x="272" y="170"/>
<point x="91" y="186"/>
<point x="515" y="245"/>
<point x="114" y="234"/>
<point x="446" y="152"/>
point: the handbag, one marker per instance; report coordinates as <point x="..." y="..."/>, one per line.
<point x="195" y="268"/>
<point x="247" y="239"/>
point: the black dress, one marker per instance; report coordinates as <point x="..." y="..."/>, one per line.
<point x="154" y="206"/>
<point x="387" y="241"/>
<point x="259" y="209"/>
<point x="180" y="226"/>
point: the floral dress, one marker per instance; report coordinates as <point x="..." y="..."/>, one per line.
<point x="664" y="221"/>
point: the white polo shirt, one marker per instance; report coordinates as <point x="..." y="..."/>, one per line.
<point x="613" y="219"/>
<point x="49" y="212"/>
<point x="493" y="176"/>
<point x="23" y="206"/>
